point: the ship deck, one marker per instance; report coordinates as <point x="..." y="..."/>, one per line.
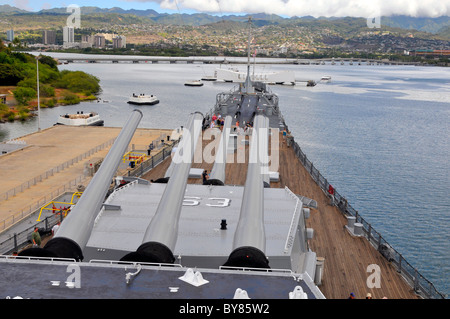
<point x="346" y="257"/>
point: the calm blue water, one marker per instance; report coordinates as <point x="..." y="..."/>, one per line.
<point x="379" y="134"/>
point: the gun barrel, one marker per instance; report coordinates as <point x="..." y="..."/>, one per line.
<point x="161" y="234"/>
<point x="218" y="170"/>
<point x="249" y="239"/>
<point x="76" y="228"/>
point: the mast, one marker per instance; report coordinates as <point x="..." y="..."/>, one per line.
<point x="249" y="43"/>
<point x="248" y="82"/>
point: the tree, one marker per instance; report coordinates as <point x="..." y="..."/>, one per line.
<point x="23" y="95"/>
<point x="45" y="59"/>
<point x="79" y="82"/>
<point x="9" y="75"/>
<point x="16" y="42"/>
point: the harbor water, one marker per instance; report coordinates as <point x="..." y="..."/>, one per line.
<point x="378" y="133"/>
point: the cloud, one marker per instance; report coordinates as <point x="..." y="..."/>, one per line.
<point x="22" y="4"/>
<point x="316" y="8"/>
<point x="46" y="5"/>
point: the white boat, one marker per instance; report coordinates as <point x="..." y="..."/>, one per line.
<point x="209" y="78"/>
<point x="194" y="83"/>
<point x="326" y="78"/>
<point x="80" y="119"/>
<point x="143" y="99"/>
<point x="233" y="75"/>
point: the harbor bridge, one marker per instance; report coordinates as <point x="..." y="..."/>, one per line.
<point x="81" y="58"/>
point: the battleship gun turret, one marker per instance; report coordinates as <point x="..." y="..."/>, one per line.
<point x="76" y="228"/>
<point x="161" y="234"/>
<point x="249" y="243"/>
<point x="217" y="176"/>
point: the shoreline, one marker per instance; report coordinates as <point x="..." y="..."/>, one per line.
<point x="17" y="112"/>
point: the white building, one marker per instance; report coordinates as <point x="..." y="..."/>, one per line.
<point x="68" y="36"/>
<point x="10" y="35"/>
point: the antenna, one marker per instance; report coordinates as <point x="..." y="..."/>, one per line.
<point x="249" y="43"/>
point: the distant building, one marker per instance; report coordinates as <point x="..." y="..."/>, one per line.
<point x="48" y="37"/>
<point x="10" y="35"/>
<point x="435" y="53"/>
<point x="119" y="42"/>
<point x="99" y="41"/>
<point x="108" y="36"/>
<point x="87" y="41"/>
<point x="68" y="36"/>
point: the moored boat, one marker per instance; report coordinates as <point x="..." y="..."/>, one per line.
<point x="80" y="119"/>
<point x="194" y="83"/>
<point x="142" y="99"/>
<point x="209" y="78"/>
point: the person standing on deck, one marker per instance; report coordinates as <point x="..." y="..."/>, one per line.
<point x="55" y="228"/>
<point x="205" y="176"/>
<point x="36" y="238"/>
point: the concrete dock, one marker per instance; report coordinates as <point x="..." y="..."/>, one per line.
<point x="54" y="161"/>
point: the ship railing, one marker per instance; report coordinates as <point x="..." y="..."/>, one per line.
<point x="413" y="277"/>
<point x="152" y="161"/>
<point x="21" y="239"/>
<point x="29" y="258"/>
<point x="268" y="270"/>
<point x="28" y="210"/>
<point x="295" y="221"/>
<point x="132" y="263"/>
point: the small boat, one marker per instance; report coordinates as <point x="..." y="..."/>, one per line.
<point x="80" y="119"/>
<point x="143" y="99"/>
<point x="194" y="83"/>
<point x="100" y="100"/>
<point x="326" y="78"/>
<point x="209" y="78"/>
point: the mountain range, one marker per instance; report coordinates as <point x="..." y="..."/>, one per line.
<point x="438" y="25"/>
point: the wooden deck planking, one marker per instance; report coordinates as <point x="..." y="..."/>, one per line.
<point x="346" y="257"/>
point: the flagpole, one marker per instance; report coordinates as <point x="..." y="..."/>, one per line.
<point x="39" y="104"/>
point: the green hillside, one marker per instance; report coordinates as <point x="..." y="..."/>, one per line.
<point x="18" y="76"/>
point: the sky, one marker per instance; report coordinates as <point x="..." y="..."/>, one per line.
<point x="286" y="8"/>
